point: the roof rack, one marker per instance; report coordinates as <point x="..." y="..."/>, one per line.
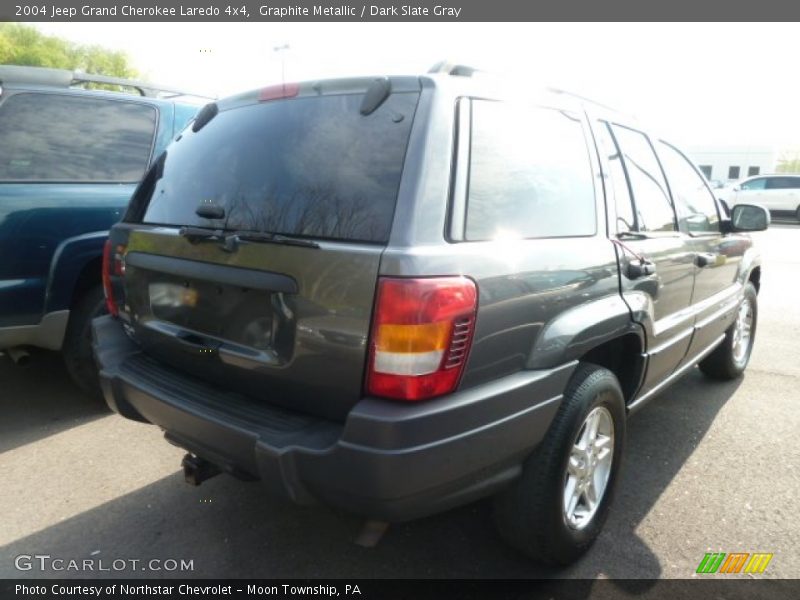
<point x="449" y="68"/>
<point x="66" y="78"/>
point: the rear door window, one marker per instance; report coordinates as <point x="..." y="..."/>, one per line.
<point x="616" y="183"/>
<point x="66" y="138"/>
<point x="782" y="183"/>
<point x="654" y="210"/>
<point x="530" y="175"/>
<point x="308" y="166"/>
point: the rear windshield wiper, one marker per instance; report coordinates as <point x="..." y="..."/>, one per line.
<point x="230" y="239"/>
<point x="197" y="234"/>
<point x="271" y="238"/>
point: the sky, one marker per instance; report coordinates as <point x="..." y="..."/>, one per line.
<point x="695" y="84"/>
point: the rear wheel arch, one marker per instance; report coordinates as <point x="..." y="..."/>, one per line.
<point x="755" y="278"/>
<point x="90" y="276"/>
<point x="624" y="357"/>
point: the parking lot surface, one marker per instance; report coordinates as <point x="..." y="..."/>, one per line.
<point x="710" y="467"/>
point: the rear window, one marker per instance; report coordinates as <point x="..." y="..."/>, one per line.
<point x="529" y="175"/>
<point x="313" y="167"/>
<point x="52" y="137"/>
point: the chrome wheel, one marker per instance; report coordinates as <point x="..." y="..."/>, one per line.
<point x="742" y="332"/>
<point x="588" y="468"/>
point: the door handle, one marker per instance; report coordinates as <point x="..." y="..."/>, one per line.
<point x="705" y="259"/>
<point x="640" y="268"/>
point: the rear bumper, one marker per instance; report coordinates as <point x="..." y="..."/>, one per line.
<point x="388" y="460"/>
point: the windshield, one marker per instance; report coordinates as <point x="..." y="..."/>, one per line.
<point x="311" y="167"/>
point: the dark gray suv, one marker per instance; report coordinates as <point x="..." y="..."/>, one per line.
<point x="399" y="295"/>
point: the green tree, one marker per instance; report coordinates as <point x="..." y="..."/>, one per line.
<point x="789" y="161"/>
<point x="26" y="45"/>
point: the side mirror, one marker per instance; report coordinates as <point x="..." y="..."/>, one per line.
<point x="749" y="217"/>
<point x="736" y="188"/>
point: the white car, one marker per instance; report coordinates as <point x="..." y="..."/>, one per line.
<point x="778" y="193"/>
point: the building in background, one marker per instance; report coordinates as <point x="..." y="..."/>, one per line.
<point x="729" y="163"/>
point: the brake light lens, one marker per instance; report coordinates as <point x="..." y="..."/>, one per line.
<point x="421" y="336"/>
<point x="113" y="264"/>
<point x="278" y="92"/>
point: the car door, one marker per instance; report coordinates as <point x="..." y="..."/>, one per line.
<point x="656" y="265"/>
<point x="781" y="194"/>
<point x="716" y="257"/>
<point x="750" y="191"/>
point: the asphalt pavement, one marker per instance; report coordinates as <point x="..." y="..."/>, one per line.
<point x="709" y="467"/>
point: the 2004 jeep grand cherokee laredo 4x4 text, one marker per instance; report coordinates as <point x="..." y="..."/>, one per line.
<point x="398" y="295"/>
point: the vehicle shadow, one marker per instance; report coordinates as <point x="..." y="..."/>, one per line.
<point x="40" y="400"/>
<point x="234" y="530"/>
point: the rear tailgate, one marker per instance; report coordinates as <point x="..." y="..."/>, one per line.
<point x="283" y="323"/>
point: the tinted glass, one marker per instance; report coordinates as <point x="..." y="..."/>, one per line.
<point x="755" y="184"/>
<point x="50" y="137"/>
<point x="530" y="174"/>
<point x="615" y="179"/>
<point x="308" y="166"/>
<point x="782" y="183"/>
<point x="696" y="207"/>
<point x="651" y="199"/>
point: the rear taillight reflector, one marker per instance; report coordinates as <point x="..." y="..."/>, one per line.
<point x="113" y="264"/>
<point x="421" y="336"/>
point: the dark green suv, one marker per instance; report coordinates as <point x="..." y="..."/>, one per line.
<point x="70" y="158"/>
<point x="398" y="295"/>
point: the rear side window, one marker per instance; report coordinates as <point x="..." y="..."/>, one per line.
<point x="309" y="166"/>
<point x="650" y="196"/>
<point x="52" y="137"/>
<point x="529" y="175"/>
<point x="782" y="183"/>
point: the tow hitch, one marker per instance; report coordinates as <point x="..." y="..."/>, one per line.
<point x="196" y="470"/>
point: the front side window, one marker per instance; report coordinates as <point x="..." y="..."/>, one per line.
<point x="754" y="184"/>
<point x="530" y="174"/>
<point x="650" y="196"/>
<point x="65" y="138"/>
<point x="694" y="203"/>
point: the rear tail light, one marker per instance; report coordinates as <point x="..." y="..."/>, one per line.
<point x="113" y="265"/>
<point x="421" y="336"/>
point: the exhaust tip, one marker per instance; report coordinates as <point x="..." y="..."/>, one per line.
<point x="19" y="356"/>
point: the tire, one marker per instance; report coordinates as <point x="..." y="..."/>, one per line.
<point x="77" y="347"/>
<point x="531" y="514"/>
<point x="729" y="360"/>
